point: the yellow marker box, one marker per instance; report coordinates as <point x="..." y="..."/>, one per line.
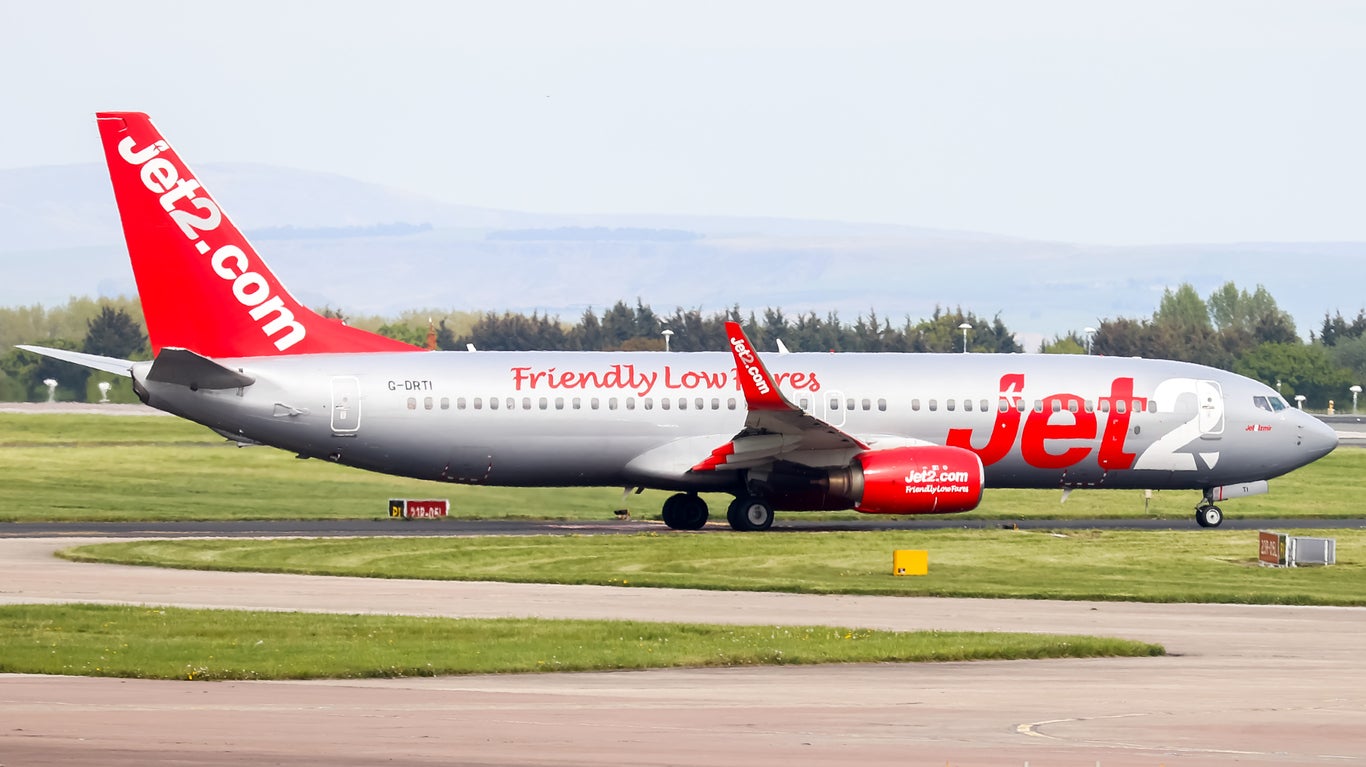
<point x="910" y="562"/>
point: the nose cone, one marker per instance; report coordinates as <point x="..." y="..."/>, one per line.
<point x="1317" y="438"/>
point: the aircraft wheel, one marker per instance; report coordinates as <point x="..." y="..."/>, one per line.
<point x="749" y="514"/>
<point x="685" y="511"/>
<point x="1209" y="516"/>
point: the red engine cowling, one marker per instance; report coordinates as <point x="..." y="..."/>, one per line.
<point x="932" y="479"/>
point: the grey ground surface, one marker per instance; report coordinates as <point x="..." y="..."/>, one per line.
<point x="1243" y="685"/>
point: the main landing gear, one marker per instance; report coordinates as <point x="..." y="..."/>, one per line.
<point x="749" y="514"/>
<point x="685" y="511"/>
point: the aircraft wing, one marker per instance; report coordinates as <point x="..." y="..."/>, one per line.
<point x="775" y="428"/>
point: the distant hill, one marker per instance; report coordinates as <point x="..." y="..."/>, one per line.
<point x="371" y="249"/>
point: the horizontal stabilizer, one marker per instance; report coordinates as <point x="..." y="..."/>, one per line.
<point x="93" y="361"/>
<point x="184" y="367"/>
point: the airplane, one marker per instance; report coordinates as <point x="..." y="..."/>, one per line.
<point x="878" y="433"/>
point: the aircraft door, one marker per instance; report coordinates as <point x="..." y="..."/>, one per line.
<point x="1210" y="401"/>
<point x="345" y="405"/>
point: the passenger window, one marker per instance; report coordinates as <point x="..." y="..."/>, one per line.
<point x="804" y="403"/>
<point x="512" y="403"/>
<point x="730" y="403"/>
<point x="412" y="403"/>
<point x="834" y="404"/>
<point x="849" y="404"/>
<point x="933" y="405"/>
<point x="427" y="403"/>
<point x="593" y="404"/>
<point x="576" y="403"/>
<point x="682" y="403"/>
<point x="526" y="403"/>
<point x="984" y="405"/>
<point x="478" y="403"/>
<point x="967" y="406"/>
<point x="611" y="403"/>
<point x="867" y="404"/>
<point x="445" y="403"/>
<point x="915" y="405"/>
<point x="715" y="403"/>
<point x="1002" y="405"/>
<point x="630" y="403"/>
<point x="648" y="403"/>
<point x="664" y="403"/>
<point x="1105" y="406"/>
<point x="559" y="403"/>
<point x="459" y="403"/>
<point x="544" y="403"/>
<point x="1122" y="406"/>
<point x="949" y="405"/>
<point x="882" y="405"/>
<point x="1090" y="406"/>
<point x="1073" y="406"/>
<point x="699" y="403"/>
<point x="1057" y="406"/>
<point x="493" y="403"/>
<point x="1038" y="406"/>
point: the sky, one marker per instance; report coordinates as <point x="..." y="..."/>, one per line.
<point x="1114" y="123"/>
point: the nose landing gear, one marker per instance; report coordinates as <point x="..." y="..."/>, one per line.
<point x="1208" y="515"/>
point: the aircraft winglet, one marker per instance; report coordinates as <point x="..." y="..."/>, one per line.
<point x="761" y="392"/>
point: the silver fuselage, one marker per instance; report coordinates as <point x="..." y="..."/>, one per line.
<point x="644" y="419"/>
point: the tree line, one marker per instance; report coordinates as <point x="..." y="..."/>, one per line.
<point x="1232" y="328"/>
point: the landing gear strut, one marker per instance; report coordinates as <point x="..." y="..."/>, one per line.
<point x="685" y="511"/>
<point x="750" y="513"/>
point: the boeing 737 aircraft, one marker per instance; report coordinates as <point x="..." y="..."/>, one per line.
<point x="878" y="433"/>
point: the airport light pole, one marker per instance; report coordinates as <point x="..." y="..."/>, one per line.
<point x="1089" y="332"/>
<point x="667" y="335"/>
<point x="965" y="327"/>
<point x="1355" y="390"/>
<point x="1299" y="401"/>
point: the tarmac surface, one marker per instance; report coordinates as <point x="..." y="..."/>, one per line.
<point x="1241" y="685"/>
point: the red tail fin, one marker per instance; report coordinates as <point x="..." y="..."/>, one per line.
<point x="202" y="285"/>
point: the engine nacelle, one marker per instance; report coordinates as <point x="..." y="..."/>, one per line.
<point x="930" y="479"/>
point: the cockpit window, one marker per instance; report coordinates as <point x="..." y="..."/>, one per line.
<point x="1270" y="404"/>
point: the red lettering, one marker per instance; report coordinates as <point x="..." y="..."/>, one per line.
<point x="1003" y="432"/>
<point x="1040" y="428"/>
<point x="1044" y="436"/>
<point x="1112" y="455"/>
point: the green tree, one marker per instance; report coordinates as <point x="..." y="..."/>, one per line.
<point x="943" y="332"/>
<point x="1298" y="369"/>
<point x="1072" y="343"/>
<point x="400" y="331"/>
<point x="1183" y="309"/>
<point x="114" y="333"/>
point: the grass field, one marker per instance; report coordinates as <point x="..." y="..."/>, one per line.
<point x="100" y="468"/>
<point x="170" y="643"/>
<point x="1168" y="566"/>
